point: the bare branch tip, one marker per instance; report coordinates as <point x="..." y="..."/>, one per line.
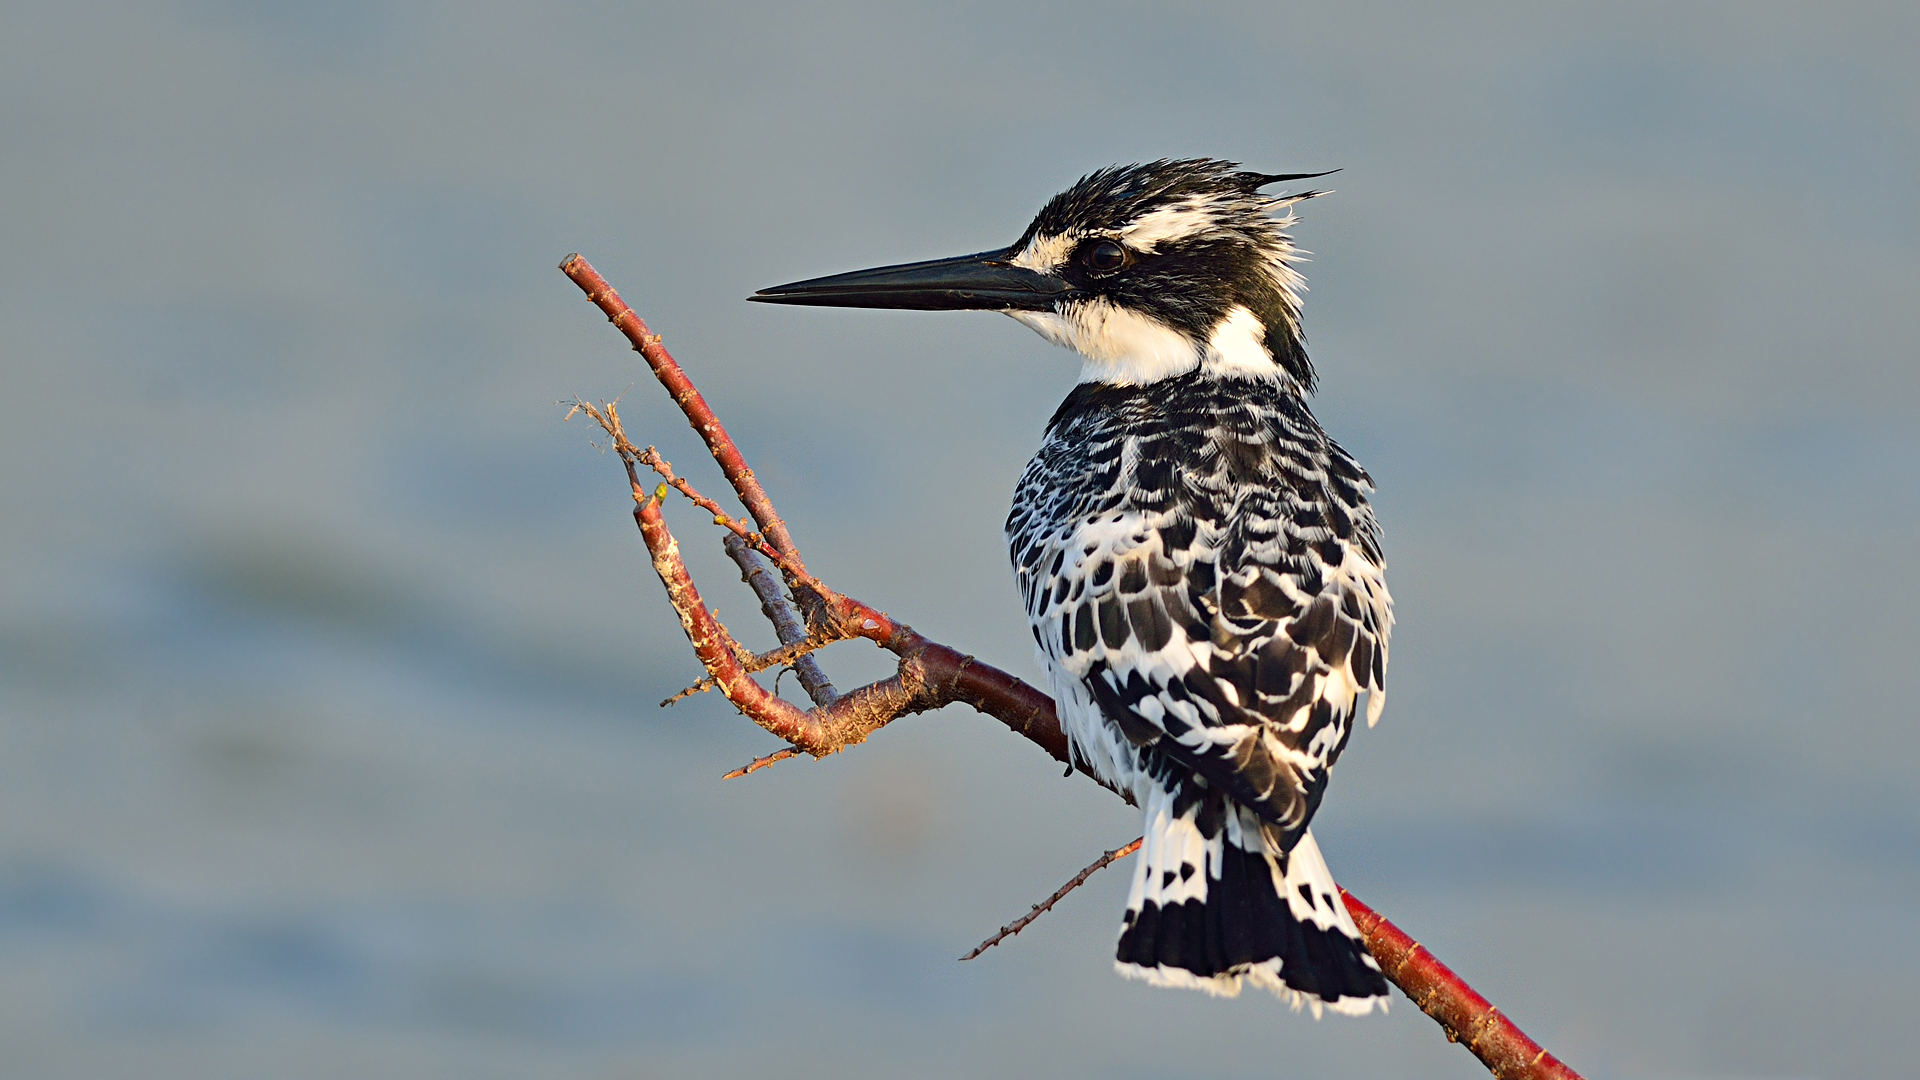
<point x="701" y="687"/>
<point x="760" y="763"/>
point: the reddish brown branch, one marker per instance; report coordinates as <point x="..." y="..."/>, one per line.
<point x="931" y="675"/>
<point x="1466" y="1017"/>
<point x="650" y="457"/>
<point x="1046" y="905"/>
<point x="681" y="389"/>
<point x="819" y="602"/>
<point x="849" y="720"/>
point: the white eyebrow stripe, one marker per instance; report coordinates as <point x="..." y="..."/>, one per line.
<point x="1177" y="222"/>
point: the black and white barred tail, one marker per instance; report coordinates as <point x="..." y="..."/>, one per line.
<point x="1216" y="912"/>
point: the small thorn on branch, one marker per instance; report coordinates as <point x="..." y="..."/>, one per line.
<point x="1046" y="905"/>
<point x="762" y="762"/>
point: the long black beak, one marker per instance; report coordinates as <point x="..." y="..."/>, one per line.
<point x="983" y="282"/>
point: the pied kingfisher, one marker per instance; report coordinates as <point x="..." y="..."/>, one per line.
<point x="1197" y="557"/>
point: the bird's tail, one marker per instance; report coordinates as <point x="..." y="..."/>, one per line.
<point x="1215" y="904"/>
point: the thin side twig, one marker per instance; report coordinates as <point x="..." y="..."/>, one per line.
<point x="788" y="624"/>
<point x="1046" y="905"/>
<point x="650" y="457"/>
<point x="784" y="656"/>
<point x="607" y="415"/>
<point x="705" y="684"/>
<point x="759" y="763"/>
<point x="762" y="762"/>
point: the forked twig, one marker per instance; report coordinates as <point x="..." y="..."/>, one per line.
<point x="930" y="674"/>
<point x="934" y="674"/>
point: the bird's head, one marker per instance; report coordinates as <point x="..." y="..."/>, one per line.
<point x="1147" y="271"/>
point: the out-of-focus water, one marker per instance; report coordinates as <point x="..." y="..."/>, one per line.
<point x="329" y="657"/>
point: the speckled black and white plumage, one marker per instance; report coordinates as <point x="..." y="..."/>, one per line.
<point x="1198" y="558"/>
<point x="1205" y="583"/>
<point x="1203" y="576"/>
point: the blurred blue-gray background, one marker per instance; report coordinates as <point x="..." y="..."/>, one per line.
<point x="329" y="657"/>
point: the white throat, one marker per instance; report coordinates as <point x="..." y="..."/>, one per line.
<point x="1124" y="348"/>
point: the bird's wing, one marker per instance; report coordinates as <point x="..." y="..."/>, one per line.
<point x="1229" y="607"/>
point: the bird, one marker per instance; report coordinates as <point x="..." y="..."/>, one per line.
<point x="1198" y="558"/>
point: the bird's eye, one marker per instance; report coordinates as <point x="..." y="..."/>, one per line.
<point x="1104" y="256"/>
